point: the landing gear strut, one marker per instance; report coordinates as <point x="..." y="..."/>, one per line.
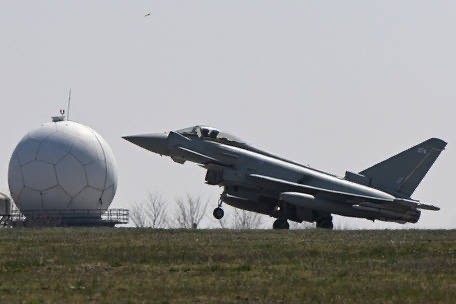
<point x="218" y="212"/>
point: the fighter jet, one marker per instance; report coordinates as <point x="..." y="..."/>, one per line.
<point x="258" y="181"/>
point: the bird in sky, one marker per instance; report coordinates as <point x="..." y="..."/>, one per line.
<point x="147" y="15"/>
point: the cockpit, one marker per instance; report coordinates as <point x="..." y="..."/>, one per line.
<point x="210" y="133"/>
<point x="213" y="134"/>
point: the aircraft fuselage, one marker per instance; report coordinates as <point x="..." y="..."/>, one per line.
<point x="259" y="181"/>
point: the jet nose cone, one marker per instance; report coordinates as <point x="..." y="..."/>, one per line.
<point x="156" y="142"/>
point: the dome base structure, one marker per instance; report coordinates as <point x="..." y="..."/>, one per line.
<point x="68" y="218"/>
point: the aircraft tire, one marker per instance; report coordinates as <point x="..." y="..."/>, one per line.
<point x="281" y="224"/>
<point x="218" y="213"/>
<point x="325" y="224"/>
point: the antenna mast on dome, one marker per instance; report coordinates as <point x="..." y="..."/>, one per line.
<point x="69" y="103"/>
<point x="62" y="111"/>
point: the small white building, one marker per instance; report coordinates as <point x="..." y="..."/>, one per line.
<point x="5" y="205"/>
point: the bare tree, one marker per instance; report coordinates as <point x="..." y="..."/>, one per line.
<point x="149" y="213"/>
<point x="156" y="211"/>
<point x="301" y="226"/>
<point x="190" y="211"/>
<point x="226" y="222"/>
<point x="138" y="216"/>
<point x="246" y="220"/>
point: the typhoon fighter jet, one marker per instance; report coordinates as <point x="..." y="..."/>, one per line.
<point x="258" y="181"/>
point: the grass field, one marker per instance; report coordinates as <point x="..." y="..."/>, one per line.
<point x="69" y="265"/>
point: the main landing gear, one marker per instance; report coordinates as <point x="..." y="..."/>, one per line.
<point x="280" y="223"/>
<point x="218" y="212"/>
<point x="325" y="222"/>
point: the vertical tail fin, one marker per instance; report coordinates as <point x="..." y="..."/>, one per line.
<point x="401" y="174"/>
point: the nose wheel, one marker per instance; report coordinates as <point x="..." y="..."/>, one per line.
<point x="280" y="223"/>
<point x="218" y="212"/>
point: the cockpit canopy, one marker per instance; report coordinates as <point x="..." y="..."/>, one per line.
<point x="207" y="132"/>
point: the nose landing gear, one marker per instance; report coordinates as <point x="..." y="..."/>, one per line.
<point x="218" y="212"/>
<point x="281" y="222"/>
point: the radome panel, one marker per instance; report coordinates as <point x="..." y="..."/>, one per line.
<point x="54" y="148"/>
<point x="15" y="178"/>
<point x="28" y="149"/>
<point x="96" y="174"/>
<point x="39" y="175"/>
<point x="28" y="195"/>
<point x="71" y="175"/>
<point x="55" y="198"/>
<point x="83" y="199"/>
<point x="42" y="133"/>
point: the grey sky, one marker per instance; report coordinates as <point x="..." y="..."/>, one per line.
<point x="334" y="84"/>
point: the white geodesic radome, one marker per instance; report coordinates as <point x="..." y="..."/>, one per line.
<point x="62" y="165"/>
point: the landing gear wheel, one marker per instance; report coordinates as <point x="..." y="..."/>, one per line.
<point x="218" y="213"/>
<point x="280" y="224"/>
<point x="325" y="223"/>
